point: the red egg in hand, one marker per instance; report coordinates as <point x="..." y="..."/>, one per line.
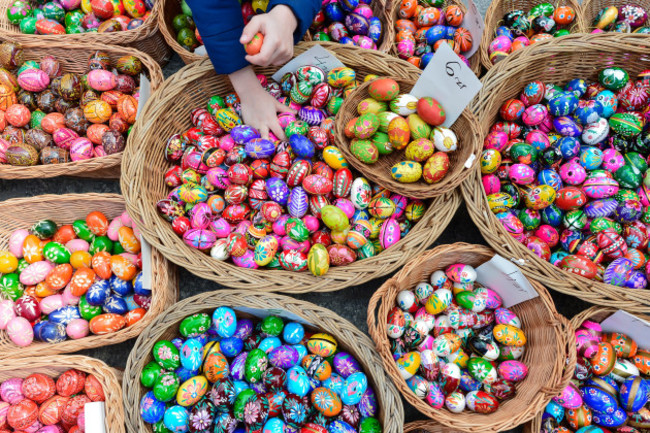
<point x="254" y="46"/>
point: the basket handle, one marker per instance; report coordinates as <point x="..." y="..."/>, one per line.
<point x="570" y="353"/>
<point x="374" y="327"/>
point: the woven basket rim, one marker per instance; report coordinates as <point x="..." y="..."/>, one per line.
<point x="107" y="376"/>
<point x="160" y="234"/>
<point x="534" y="267"/>
<point x="493" y="17"/>
<point x="105" y="167"/>
<point x="346" y="334"/>
<point x="504" y="418"/>
<point x="468" y="139"/>
<point x="590" y="9"/>
<point x="163" y="280"/>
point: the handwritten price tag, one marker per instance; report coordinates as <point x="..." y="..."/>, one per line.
<point x="629" y="324"/>
<point x="506" y="279"/>
<point x="315" y="56"/>
<point x="280" y="313"/>
<point x="474" y="23"/>
<point x="450" y="81"/>
<point x="146" y="263"/>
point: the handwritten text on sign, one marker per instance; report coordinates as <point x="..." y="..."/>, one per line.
<point x="450" y="81"/>
<point x="315" y="56"/>
<point x="507" y="280"/>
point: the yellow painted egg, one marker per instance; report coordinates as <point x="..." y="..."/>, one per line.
<point x="406" y="171"/>
<point x="265" y="250"/>
<point x="318" y="260"/>
<point x="436" y="168"/>
<point x="227" y="119"/>
<point x="8" y="262"/>
<point x="370" y="105"/>
<point x="322" y="344"/>
<point x="490" y="161"/>
<point x="80" y="259"/>
<point x="399" y="133"/>
<point x="408" y="364"/>
<point x="415" y="211"/>
<point x="419" y="150"/>
<point x="334" y="158"/>
<point x="192" y="390"/>
<point x="340" y="236"/>
<point x="500" y="202"/>
<point x="509" y="335"/>
<point x="334" y="217"/>
<point x="418" y="127"/>
<point x="382" y="207"/>
<point x="444" y="139"/>
<point x="438" y="302"/>
<point x="341" y="77"/>
<point x="370" y="77"/>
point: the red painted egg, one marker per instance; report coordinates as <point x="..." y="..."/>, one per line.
<point x="27" y="306"/>
<point x="102" y="8"/>
<point x="49" y="27"/>
<point x="384" y="89"/>
<point x="22" y="415"/>
<point x="73" y="408"/>
<point x="579" y="265"/>
<point x="107" y="323"/>
<point x="298" y="172"/>
<point x="431" y="111"/>
<point x="94" y="389"/>
<point x="51" y="410"/>
<point x="316" y="184"/>
<point x="569" y="198"/>
<point x="611" y="243"/>
<point x="342" y="183"/>
<point x="38" y="387"/>
<point x="71" y="382"/>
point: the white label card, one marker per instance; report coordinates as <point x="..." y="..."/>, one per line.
<point x="505" y="278"/>
<point x="315" y="56"/>
<point x="630" y="325"/>
<point x="145" y="249"/>
<point x="474" y="23"/>
<point x="273" y="312"/>
<point x="145" y="93"/>
<point x="201" y="51"/>
<point x="450" y="81"/>
<point x="95" y="417"/>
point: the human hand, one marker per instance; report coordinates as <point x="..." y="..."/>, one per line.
<point x="278" y="27"/>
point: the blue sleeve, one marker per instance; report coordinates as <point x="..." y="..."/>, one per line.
<point x="220" y="25"/>
<point x="304" y="11"/>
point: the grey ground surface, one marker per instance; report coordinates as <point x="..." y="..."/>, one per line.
<point x="350" y="303"/>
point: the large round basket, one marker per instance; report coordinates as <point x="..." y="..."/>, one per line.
<point x="590" y="9"/>
<point x="498" y="8"/>
<point x="21" y="213"/>
<point x="75" y="59"/>
<point x="461" y="161"/>
<point x="427" y="427"/>
<point x="552" y="61"/>
<point x="546" y="351"/>
<point x="145" y="38"/>
<point x="256" y="304"/>
<point x="54" y="366"/>
<point x="168" y="112"/>
<point x="474" y="61"/>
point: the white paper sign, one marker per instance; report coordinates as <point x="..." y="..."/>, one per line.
<point x="145" y="93"/>
<point x="315" y="56"/>
<point x="474" y="23"/>
<point x="629" y="324"/>
<point x="273" y="312"/>
<point x="449" y="80"/>
<point x="95" y="417"/>
<point x="201" y="51"/>
<point x="145" y="249"/>
<point x="506" y="279"/>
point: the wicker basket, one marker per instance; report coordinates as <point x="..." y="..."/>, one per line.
<point x="469" y="150"/>
<point x="552" y="61"/>
<point x="54" y="366"/>
<point x="143" y="185"/>
<point x="427" y="427"/>
<point x="65" y="209"/>
<point x="474" y="61"/>
<point x="545" y="354"/>
<point x="499" y="8"/>
<point x="75" y="60"/>
<point x="391" y="412"/>
<point x="145" y="38"/>
<point x="590" y="9"/>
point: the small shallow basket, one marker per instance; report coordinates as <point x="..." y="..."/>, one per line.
<point x="75" y="59"/>
<point x="498" y="8"/>
<point x="474" y="61"/>
<point x="54" y="366"/>
<point x="168" y="112"/>
<point x="590" y="9"/>
<point x="468" y="152"/>
<point x="256" y="304"/>
<point x="145" y="38"/>
<point x="556" y="61"/>
<point x="545" y="355"/>
<point x="21" y="213"/>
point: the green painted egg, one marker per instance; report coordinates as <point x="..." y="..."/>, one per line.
<point x="194" y="325"/>
<point x="370" y="425"/>
<point x="100" y="243"/>
<point x="216" y="103"/>
<point x="365" y="151"/>
<point x="149" y="374"/>
<point x="370" y="105"/>
<point x="366" y="125"/>
<point x="575" y="220"/>
<point x="334" y="104"/>
<point x="187" y="39"/>
<point x="36" y="119"/>
<point x="17" y="11"/>
<point x="334" y="218"/>
<point x="384" y="120"/>
<point x="628" y="176"/>
<point x="626" y="124"/>
<point x="166" y="386"/>
<point x="381" y="141"/>
<point x="240" y="401"/>
<point x="418" y="127"/>
<point x="28" y="25"/>
<point x="366" y="251"/>
<point x="523" y="153"/>
<point x="272" y="325"/>
<point x="255" y="366"/>
<point x="56" y="253"/>
<point x="82" y="231"/>
<point x="531" y="219"/>
<point x="624" y="195"/>
<point x="53" y="11"/>
<point x="44" y="229"/>
<point x="297" y="230"/>
<point x="636" y="160"/>
<point x="183" y="21"/>
<point x="73" y="18"/>
<point x="318" y="260"/>
<point x="88" y="311"/>
<point x="482" y="370"/>
<point x="599" y="224"/>
<point x="10" y="287"/>
<point x="301" y="92"/>
<point x="613" y="78"/>
<point x="159" y="427"/>
<point x="29" y="64"/>
<point x="166" y="355"/>
<point x="406" y="171"/>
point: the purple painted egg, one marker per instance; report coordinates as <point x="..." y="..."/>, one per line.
<point x="566" y="126"/>
<point x="617" y="272"/>
<point x="242" y="134"/>
<point x="636" y="280"/>
<point x="277" y="190"/>
<point x="218" y="177"/>
<point x="247" y="260"/>
<point x="311" y="115"/>
<point x="259" y="148"/>
<point x="345" y="364"/>
<point x="200" y="239"/>
<point x="284" y="357"/>
<point x="11" y="390"/>
<point x="298" y="202"/>
<point x="513" y="371"/>
<point x="357" y="24"/>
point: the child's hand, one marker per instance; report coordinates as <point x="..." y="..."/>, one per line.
<point x="277" y="27"/>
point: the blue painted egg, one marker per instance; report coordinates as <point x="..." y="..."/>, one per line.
<point x="374" y="29"/>
<point x="552" y="215"/>
<point x="617" y="272"/>
<point x="633" y="393"/>
<point x="151" y="410"/>
<point x="224" y="321"/>
<point x="298" y="381"/>
<point x="231" y="346"/>
<point x="116" y="305"/>
<point x="64" y="315"/>
<point x="274" y="425"/>
<point x="284" y="357"/>
<point x="468" y="383"/>
<point x="426" y="58"/>
<point x="176" y="418"/>
<point x="566" y="126"/>
<point x="615" y="419"/>
<point x="569" y="147"/>
<point x="557" y="256"/>
<point x="609" y="101"/>
<point x="244" y="328"/>
<point x="293" y="333"/>
<point x="278" y="190"/>
<point x="311" y="115"/>
<point x="184" y="374"/>
<point x="368" y="405"/>
<point x="636" y="280"/>
<point x="191" y="353"/>
<point x="269" y="344"/>
<point x="345" y="364"/>
<point x="555" y="410"/>
<point x="298" y="203"/>
<point x="239" y="386"/>
<point x="588" y="111"/>
<point x="120" y="286"/>
<point x="334" y="11"/>
<point x="591" y="158"/>
<point x="301" y="349"/>
<point x="335" y="382"/>
<point x="449" y="32"/>
<point x="130" y="302"/>
<point x="563" y="104"/>
<point x="598" y="400"/>
<point x="357" y="24"/>
<point x="551" y="178"/>
<point x="259" y="148"/>
<point x="577" y="86"/>
<point x="600" y="208"/>
<point x="138" y="289"/>
<point x="98" y="292"/>
<point x="353" y="388"/>
<point x="505" y="31"/>
<point x="339" y="426"/>
<point x="37" y="328"/>
<point x="242" y="134"/>
<point x="52" y="332"/>
<point x="628" y="211"/>
<point x="302" y="146"/>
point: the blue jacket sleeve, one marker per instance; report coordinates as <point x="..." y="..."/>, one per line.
<point x="220" y="25"/>
<point x="304" y="11"/>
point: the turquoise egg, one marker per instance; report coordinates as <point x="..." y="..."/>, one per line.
<point x="274" y="425"/>
<point x="302" y="350"/>
<point x="335" y="383"/>
<point x="224" y="321"/>
<point x="293" y="333"/>
<point x="298" y="381"/>
<point x="353" y="388"/>
<point x="191" y="354"/>
<point x="591" y="158"/>
<point x="609" y="102"/>
<point x="339" y="426"/>
<point x="270" y="343"/>
<point x="176" y="418"/>
<point x="239" y="386"/>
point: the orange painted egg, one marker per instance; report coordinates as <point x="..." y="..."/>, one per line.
<point x="254" y="46"/>
<point x="97" y="223"/>
<point x="95" y="132"/>
<point x="405" y="25"/>
<point x="128" y="240"/>
<point x="52" y="122"/>
<point x="384" y="89"/>
<point x="123" y="268"/>
<point x="407" y="8"/>
<point x="399" y="133"/>
<point x="32" y="249"/>
<point x="41" y="290"/>
<point x="431" y="111"/>
<point x="623" y="345"/>
<point x="94" y="389"/>
<point x="101" y="264"/>
<point x="70" y="382"/>
<point x="134" y="316"/>
<point x="64" y="234"/>
<point x="127" y="106"/>
<point x="81" y="281"/>
<point x="59" y="277"/>
<point x="326" y="401"/>
<point x="642" y="361"/>
<point x="51" y="410"/>
<point x="107" y="323"/>
<point x="604" y="360"/>
<point x="97" y="111"/>
<point x="436" y="167"/>
<point x="80" y="259"/>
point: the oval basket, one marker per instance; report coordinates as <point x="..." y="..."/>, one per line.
<point x="64" y="209"/>
<point x="145" y="38"/>
<point x="498" y="8"/>
<point x="597" y="314"/>
<point x="54" y="366"/>
<point x="552" y="61"/>
<point x="170" y="8"/>
<point x="143" y="185"/>
<point x="75" y="59"/>
<point x="545" y="354"/>
<point x="391" y="412"/>
<point x="427" y="427"/>
<point x="474" y="61"/>
<point x="590" y="9"/>
<point x="469" y="150"/>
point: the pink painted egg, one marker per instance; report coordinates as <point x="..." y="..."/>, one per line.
<point x="77" y="245"/>
<point x="461" y="273"/>
<point x="6" y="313"/>
<point x="247" y="260"/>
<point x="570" y="397"/>
<point x="51" y="303"/>
<point x="63" y="137"/>
<point x="11" y="390"/>
<point x="390" y="233"/>
<point x="20" y="331"/>
<point x="114" y="228"/>
<point x="35" y="273"/>
<point x="81" y="149"/>
<point x="16" y="241"/>
<point x="513" y="371"/>
<point x="68" y="297"/>
<point x="34" y="80"/>
<point x="77" y="328"/>
<point x="101" y="80"/>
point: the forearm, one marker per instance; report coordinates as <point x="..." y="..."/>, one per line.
<point x="245" y="82"/>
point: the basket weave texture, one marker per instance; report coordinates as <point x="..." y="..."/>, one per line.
<point x="145" y="38"/>
<point x="349" y="338"/>
<point x="168" y="112"/>
<point x="54" y="366"/>
<point x="75" y="59"/>
<point x="556" y="61"/>
<point x="65" y="209"/>
<point x="590" y="9"/>
<point x="546" y="351"/>
<point x="427" y="427"/>
<point x="498" y="8"/>
<point x="469" y="146"/>
<point x="474" y="61"/>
